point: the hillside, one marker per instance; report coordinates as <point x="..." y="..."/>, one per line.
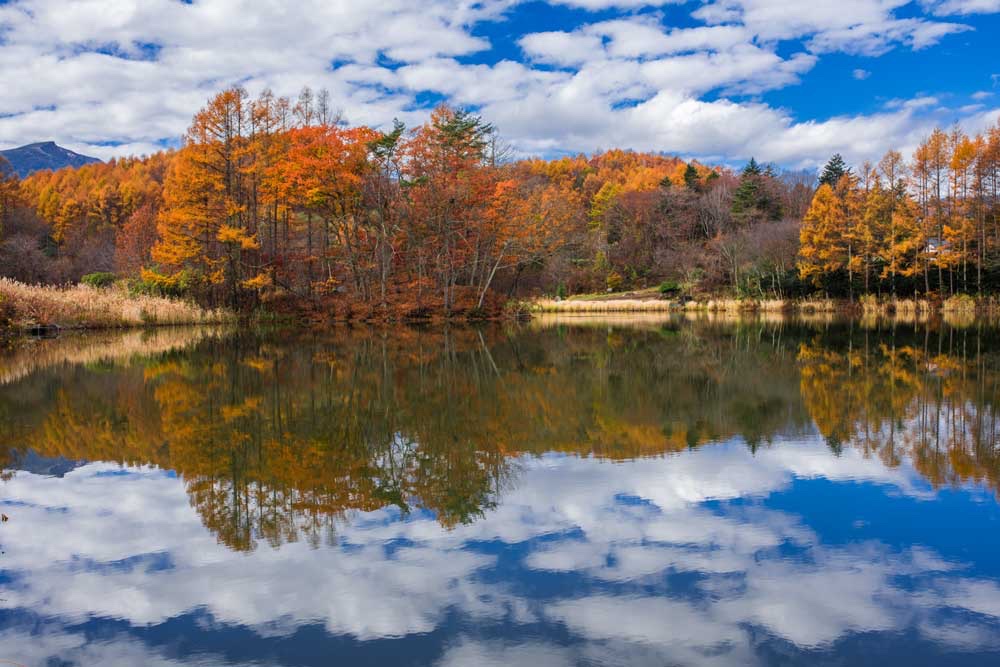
<point x="43" y="155"/>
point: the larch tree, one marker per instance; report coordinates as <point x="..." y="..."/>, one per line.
<point x="207" y="235"/>
<point x="960" y="228"/>
<point x="858" y="238"/>
<point x="933" y="157"/>
<point x="900" y="250"/>
<point x="9" y="192"/>
<point x="822" y="248"/>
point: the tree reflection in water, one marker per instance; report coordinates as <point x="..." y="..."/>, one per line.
<point x="280" y="439"/>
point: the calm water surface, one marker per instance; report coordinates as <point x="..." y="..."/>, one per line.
<point x="585" y="493"/>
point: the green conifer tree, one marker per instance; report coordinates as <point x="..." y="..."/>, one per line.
<point x="691" y="179"/>
<point x="834" y="170"/>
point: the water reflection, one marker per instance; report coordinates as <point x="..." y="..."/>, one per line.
<point x="673" y="493"/>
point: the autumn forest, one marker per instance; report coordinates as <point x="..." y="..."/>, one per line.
<point x="279" y="203"/>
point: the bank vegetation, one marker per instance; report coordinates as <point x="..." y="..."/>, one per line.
<point x="44" y="309"/>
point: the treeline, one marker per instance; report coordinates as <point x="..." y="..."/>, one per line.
<point x="59" y="226"/>
<point x="270" y="199"/>
<point x="277" y="201"/>
<point x="930" y="225"/>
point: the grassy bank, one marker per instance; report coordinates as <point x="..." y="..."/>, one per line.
<point x="23" y="307"/>
<point x="869" y="305"/>
<point x="714" y="305"/>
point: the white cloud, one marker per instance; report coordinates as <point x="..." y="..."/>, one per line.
<point x="853" y="25"/>
<point x="57" y="86"/>
<point x="963" y="7"/>
<point x="562" y="48"/>
<point x="861" y="74"/>
<point x="115" y="78"/>
<point x="596" y="5"/>
<point x="877" y="38"/>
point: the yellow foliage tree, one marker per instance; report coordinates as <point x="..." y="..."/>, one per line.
<point x="822" y="247"/>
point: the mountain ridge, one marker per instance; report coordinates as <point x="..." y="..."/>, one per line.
<point x="27" y="159"/>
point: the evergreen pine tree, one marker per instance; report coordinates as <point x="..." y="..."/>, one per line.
<point x="834" y="170"/>
<point x="691" y="179"/>
<point x="747" y="196"/>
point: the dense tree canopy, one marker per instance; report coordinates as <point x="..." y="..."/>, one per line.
<point x="273" y="200"/>
<point x="930" y="226"/>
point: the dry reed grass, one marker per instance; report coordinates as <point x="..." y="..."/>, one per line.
<point x="606" y="306"/>
<point x="872" y="305"/>
<point x="726" y="306"/>
<point x="83" y="307"/>
<point x="775" y="305"/>
<point x="958" y="311"/>
<point x="743" y="305"/>
<point x="662" y="305"/>
<point x="817" y="306"/>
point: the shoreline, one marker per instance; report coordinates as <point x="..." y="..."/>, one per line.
<point x="33" y="312"/>
<point x="959" y="304"/>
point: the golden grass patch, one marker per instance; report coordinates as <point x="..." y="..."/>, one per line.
<point x="86" y="307"/>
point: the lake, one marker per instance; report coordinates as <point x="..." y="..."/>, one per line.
<point x="617" y="491"/>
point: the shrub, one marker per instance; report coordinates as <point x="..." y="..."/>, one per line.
<point x="614" y="281"/>
<point x="669" y="287"/>
<point x="959" y="303"/>
<point x="149" y="285"/>
<point x="99" y="280"/>
<point x="517" y="309"/>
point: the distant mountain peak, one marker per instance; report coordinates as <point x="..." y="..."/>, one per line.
<point x="41" y="155"/>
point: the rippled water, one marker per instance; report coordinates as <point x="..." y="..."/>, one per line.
<point x="658" y="492"/>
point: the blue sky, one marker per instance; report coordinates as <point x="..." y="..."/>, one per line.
<point x="720" y="80"/>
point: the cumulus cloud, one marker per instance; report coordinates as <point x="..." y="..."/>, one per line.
<point x="856" y="26"/>
<point x="113" y="78"/>
<point x="952" y="7"/>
